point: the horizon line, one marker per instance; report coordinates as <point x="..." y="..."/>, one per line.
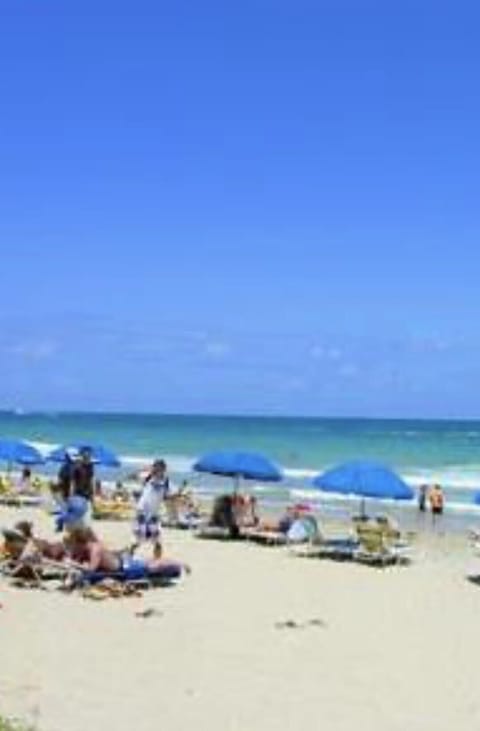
<point x="308" y="417"/>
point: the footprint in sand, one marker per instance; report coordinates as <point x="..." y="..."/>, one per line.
<point x="292" y="624"/>
<point x="149" y="612"/>
<point x="287" y="624"/>
<point x="317" y="622"/>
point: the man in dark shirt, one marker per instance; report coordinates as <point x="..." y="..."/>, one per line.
<point x="83" y="474"/>
<point x="64" y="479"/>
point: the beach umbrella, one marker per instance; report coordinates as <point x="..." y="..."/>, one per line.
<point x="364" y="479"/>
<point x="13" y="451"/>
<point x="246" y="465"/>
<point x="476" y="498"/>
<point x="100" y="455"/>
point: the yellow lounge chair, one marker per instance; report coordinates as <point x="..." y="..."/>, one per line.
<point x="112" y="510"/>
<point x="379" y="545"/>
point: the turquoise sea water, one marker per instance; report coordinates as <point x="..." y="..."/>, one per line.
<point x="444" y="451"/>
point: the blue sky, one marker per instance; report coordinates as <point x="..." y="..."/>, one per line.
<point x="240" y="207"/>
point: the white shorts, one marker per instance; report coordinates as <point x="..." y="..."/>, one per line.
<point x="147" y="528"/>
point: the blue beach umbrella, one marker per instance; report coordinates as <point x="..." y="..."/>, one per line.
<point x="100" y="455"/>
<point x="364" y="479"/>
<point x="13" y="451"/>
<point x="246" y="465"/>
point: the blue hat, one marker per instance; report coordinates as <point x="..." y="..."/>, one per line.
<point x="73" y="511"/>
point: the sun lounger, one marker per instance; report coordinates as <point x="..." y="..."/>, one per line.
<point x="266" y="537"/>
<point x="302" y="530"/>
<point x="338" y="549"/>
<point x="112" y="510"/>
<point x="218" y="533"/>
<point x="19" y="500"/>
<point x="184" y="522"/>
<point x="28" y="572"/>
<point x="378" y="547"/>
<point x="377" y="543"/>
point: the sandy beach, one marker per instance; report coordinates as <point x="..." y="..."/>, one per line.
<point x="387" y="649"/>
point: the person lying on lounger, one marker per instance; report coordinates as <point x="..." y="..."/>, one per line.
<point x="13" y="544"/>
<point x="26" y="553"/>
<point x="245" y="507"/>
<point x="36" y="546"/>
<point x="90" y="554"/>
<point x="182" y="505"/>
<point x="20" y="543"/>
<point x="85" y="549"/>
<point x="234" y="512"/>
<point x="283" y="524"/>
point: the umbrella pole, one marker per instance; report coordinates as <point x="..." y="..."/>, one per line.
<point x="362" y="508"/>
<point x="236" y="484"/>
<point x="236" y="490"/>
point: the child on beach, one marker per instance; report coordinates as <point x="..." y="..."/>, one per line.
<point x="156" y="487"/>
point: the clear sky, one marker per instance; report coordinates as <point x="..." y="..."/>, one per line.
<point x="262" y="206"/>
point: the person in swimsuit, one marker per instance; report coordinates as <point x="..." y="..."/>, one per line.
<point x="91" y="554"/>
<point x="26" y="551"/>
<point x="436" y="499"/>
<point x="283" y="524"/>
<point x="422" y="498"/>
<point x="36" y="546"/>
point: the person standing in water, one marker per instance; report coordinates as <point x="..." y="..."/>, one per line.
<point x="422" y="498"/>
<point x="436" y="500"/>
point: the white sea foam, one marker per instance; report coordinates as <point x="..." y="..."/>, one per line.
<point x="44" y="447"/>
<point x="453" y="476"/>
<point x="465" y="478"/>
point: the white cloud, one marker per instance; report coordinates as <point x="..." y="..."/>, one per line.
<point x="217" y="349"/>
<point x="334" y="354"/>
<point x="441" y="345"/>
<point x="431" y="344"/>
<point x="33" y="350"/>
<point x="317" y="352"/>
<point x="294" y="384"/>
<point x="320" y="352"/>
<point x="348" y="370"/>
<point x="195" y="335"/>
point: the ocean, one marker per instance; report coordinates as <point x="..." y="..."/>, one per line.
<point x="447" y="452"/>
